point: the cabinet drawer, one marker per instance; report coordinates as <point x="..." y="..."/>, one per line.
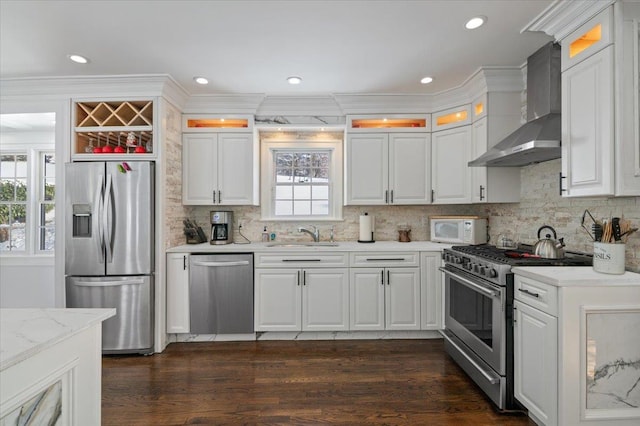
<point x="294" y="260"/>
<point x="373" y="259"/>
<point x="539" y="295"/>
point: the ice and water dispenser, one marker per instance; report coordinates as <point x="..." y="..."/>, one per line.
<point x="221" y="227"/>
<point x="81" y="221"/>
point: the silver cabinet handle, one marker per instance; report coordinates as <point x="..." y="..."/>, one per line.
<point x="184" y="262"/>
<point x="216" y="264"/>
<point x="302" y="260"/>
<point x="481" y="192"/>
<point x="388" y="277"/>
<point x="304" y="277"/>
<point x="389" y="259"/>
<point x="386" y="196"/>
<point x="382" y="277"/>
<point x="391" y="196"/>
<point x="214" y="196"/>
<point x="530" y="293"/>
<point x="219" y="196"/>
<point x="298" y="274"/>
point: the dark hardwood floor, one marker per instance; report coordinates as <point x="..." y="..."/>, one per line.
<point x="411" y="382"/>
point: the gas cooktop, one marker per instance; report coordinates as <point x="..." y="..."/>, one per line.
<point x="522" y="256"/>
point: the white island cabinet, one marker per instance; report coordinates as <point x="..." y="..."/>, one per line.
<point x="50" y="365"/>
<point x="576" y="346"/>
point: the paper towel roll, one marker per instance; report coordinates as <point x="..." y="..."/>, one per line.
<point x="366" y="227"/>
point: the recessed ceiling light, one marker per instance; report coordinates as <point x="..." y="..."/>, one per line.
<point x="294" y="80"/>
<point x="475" y="22"/>
<point x="426" y="80"/>
<point x="200" y="80"/>
<point x="78" y="59"/>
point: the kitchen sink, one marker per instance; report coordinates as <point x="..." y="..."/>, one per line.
<point x="305" y="244"/>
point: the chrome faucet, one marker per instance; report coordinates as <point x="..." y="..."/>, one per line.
<point x="315" y="233"/>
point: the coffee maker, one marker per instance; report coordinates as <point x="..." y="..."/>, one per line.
<point x="221" y="227"/>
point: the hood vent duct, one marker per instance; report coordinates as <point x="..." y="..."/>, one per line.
<point x="539" y="139"/>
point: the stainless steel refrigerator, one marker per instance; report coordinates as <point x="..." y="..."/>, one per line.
<point x="109" y="255"/>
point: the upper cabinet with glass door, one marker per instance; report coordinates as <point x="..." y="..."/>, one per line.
<point x="112" y="129"/>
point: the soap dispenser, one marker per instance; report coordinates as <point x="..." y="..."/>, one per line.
<point x="265" y="235"/>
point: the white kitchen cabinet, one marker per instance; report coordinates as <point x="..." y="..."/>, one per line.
<point x="600" y="107"/>
<point x="325" y="299"/>
<point x="385" y="291"/>
<point x="495" y="116"/>
<point x="569" y="368"/>
<point x="278" y="300"/>
<point x="178" y="293"/>
<point x="388" y="168"/>
<point x="450" y="118"/>
<point x="431" y="295"/>
<point x="451" y="151"/>
<point x="301" y="299"/>
<point x="385" y="298"/>
<point x="627" y="94"/>
<point x="219" y="169"/>
<point x="587" y="127"/>
<point x="535" y="362"/>
<point x="366" y="299"/>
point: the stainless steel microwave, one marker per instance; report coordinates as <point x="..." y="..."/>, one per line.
<point x="458" y="229"/>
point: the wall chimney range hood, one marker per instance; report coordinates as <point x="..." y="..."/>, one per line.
<point x="539" y="139"/>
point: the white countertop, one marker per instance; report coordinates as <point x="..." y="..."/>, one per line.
<point x="341" y="246"/>
<point x="573" y="276"/>
<point x="26" y="332"/>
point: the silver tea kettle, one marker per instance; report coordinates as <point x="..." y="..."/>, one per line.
<point x="549" y="248"/>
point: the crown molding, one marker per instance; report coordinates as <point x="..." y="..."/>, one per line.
<point x="564" y="16"/>
<point x="300" y="106"/>
<point x="142" y="85"/>
<point x="223" y="104"/>
<point x="384" y="103"/>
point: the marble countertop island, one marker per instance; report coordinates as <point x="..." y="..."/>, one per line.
<point x="27" y="332"/>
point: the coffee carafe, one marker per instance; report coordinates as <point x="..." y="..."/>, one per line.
<point x="221" y="227"/>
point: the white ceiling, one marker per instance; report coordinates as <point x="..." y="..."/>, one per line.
<point x="336" y="46"/>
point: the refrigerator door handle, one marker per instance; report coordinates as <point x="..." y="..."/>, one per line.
<point x="213" y="264"/>
<point x="107" y="220"/>
<point x="99" y="206"/>
<point x="108" y="283"/>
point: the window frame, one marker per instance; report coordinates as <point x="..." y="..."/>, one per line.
<point x="35" y="175"/>
<point x="268" y="184"/>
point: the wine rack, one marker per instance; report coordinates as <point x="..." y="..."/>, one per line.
<point x="114" y="127"/>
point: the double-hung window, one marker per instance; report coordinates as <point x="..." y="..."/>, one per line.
<point x="302" y="180"/>
<point x="27" y="201"/>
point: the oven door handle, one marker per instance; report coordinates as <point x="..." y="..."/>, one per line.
<point x="471" y="284"/>
<point x="491" y="379"/>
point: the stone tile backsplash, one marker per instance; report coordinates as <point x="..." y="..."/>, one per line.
<point x="540" y="205"/>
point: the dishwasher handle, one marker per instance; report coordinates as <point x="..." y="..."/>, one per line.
<point x="217" y="264"/>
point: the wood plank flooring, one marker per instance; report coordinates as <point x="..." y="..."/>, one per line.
<point x="362" y="382"/>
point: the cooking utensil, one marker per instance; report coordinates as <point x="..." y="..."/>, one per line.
<point x="596" y="228"/>
<point x="615" y="228"/>
<point x="549" y="248"/>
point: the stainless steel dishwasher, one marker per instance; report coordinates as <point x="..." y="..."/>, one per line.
<point x="221" y="293"/>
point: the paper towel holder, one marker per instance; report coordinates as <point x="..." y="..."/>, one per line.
<point x="372" y="230"/>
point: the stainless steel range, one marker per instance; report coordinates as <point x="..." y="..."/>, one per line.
<point x="478" y="312"/>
